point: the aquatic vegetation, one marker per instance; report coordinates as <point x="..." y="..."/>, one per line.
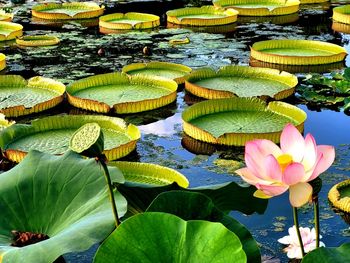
<point x="2" y="61"/>
<point x="129" y="20"/>
<point x="240" y="81"/>
<point x="35" y="41"/>
<point x="329" y="254"/>
<point x="235" y="121"/>
<point x="5" y="16"/>
<point x="342" y="14"/>
<point x="9" y="31"/>
<point x="339" y="196"/>
<point x="4" y="123"/>
<point x="202" y="16"/>
<point x="297" y="52"/>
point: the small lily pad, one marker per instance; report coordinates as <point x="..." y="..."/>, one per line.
<point x="130" y="20"/>
<point x="2" y="61"/>
<point x="9" y="30"/>
<point x="35" y="41"/>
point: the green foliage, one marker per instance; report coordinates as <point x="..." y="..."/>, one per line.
<point x="329" y="255"/>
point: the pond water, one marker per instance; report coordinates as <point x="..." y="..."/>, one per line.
<point x="84" y="51"/>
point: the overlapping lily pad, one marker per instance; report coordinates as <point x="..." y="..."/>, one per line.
<point x="4" y="123"/>
<point x="160" y="69"/>
<point x="260" y="8"/>
<point x="7" y="17"/>
<point x="241" y="81"/>
<point x="2" y="61"/>
<point x="9" y="30"/>
<point x="64" y="197"/>
<point x="72" y="10"/>
<point x="52" y="135"/>
<point x="122" y="93"/>
<point x="21" y="97"/>
<point x="339" y="196"/>
<point x="129" y="20"/>
<point x="39" y="40"/>
<point x="202" y="16"/>
<point x="235" y="121"/>
<point x="342" y="14"/>
<point x="152" y="174"/>
<point x="297" y="52"/>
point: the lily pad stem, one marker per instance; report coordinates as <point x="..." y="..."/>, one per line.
<point x="317" y="221"/>
<point x="296" y="223"/>
<point x="110" y="188"/>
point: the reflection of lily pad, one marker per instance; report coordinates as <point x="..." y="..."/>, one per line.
<point x="72" y="10"/>
<point x="202" y="16"/>
<point x="339" y="195"/>
<point x="235" y="121"/>
<point x="126" y="94"/>
<point x="21" y="97"/>
<point x="2" y="61"/>
<point x="52" y="135"/>
<point x="297" y="52"/>
<point x="9" y="30"/>
<point x="151" y="174"/>
<point x="40" y="40"/>
<point x="7" y="17"/>
<point x="241" y="81"/>
<point x="64" y="197"/>
<point x="129" y="21"/>
<point x="260" y="8"/>
<point x="160" y="69"/>
<point x="342" y="14"/>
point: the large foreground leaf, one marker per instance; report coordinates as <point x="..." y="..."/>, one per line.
<point x="329" y="255"/>
<point x="161" y="237"/>
<point x="197" y="206"/>
<point x="63" y="197"/>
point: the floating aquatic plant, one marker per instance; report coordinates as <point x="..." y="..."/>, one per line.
<point x="342" y="14"/>
<point x="130" y="20"/>
<point x="5" y="16"/>
<point x="35" y="41"/>
<point x="9" y="30"/>
<point x="339" y="196"/>
<point x="2" y="61"/>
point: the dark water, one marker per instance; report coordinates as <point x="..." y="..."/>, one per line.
<point x="163" y="141"/>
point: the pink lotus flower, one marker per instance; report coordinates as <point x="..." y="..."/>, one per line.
<point x="308" y="236"/>
<point x="274" y="170"/>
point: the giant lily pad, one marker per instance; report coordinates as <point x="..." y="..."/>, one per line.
<point x="7" y="17"/>
<point x="202" y="16"/>
<point x="126" y="94"/>
<point x="52" y="135"/>
<point x="235" y="121"/>
<point x="72" y="10"/>
<point x="241" y="81"/>
<point x="35" y="41"/>
<point x="2" y="61"/>
<point x="9" y="30"/>
<point x="130" y="20"/>
<point x="197" y="206"/>
<point x="21" y="97"/>
<point x="260" y="8"/>
<point x="342" y="14"/>
<point x="172" y="71"/>
<point x="329" y="254"/>
<point x="297" y="52"/>
<point x="339" y="196"/>
<point x="152" y="174"/>
<point x="161" y="237"/>
<point x="64" y="197"/>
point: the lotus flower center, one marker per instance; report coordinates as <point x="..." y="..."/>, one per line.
<point x="284" y="160"/>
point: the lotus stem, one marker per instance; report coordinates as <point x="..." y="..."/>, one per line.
<point x="296" y="223"/>
<point x="110" y="188"/>
<point x="317" y="221"/>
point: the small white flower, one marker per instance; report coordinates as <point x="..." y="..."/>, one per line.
<point x="308" y="237"/>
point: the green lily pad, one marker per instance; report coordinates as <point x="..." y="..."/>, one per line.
<point x="235" y="121"/>
<point x="161" y="237"/>
<point x="240" y="81"/>
<point x="52" y="135"/>
<point x="21" y="97"/>
<point x="126" y="94"/>
<point x="197" y="206"/>
<point x="64" y="197"/>
<point x="39" y="40"/>
<point x="9" y="30"/>
<point x="130" y="20"/>
<point x="329" y="254"/>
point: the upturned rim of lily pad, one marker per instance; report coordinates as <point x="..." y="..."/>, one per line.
<point x="150" y="174"/>
<point x="285" y="7"/>
<point x="336" y="52"/>
<point x="40" y="83"/>
<point x="88" y="10"/>
<point x="2" y="61"/>
<point x="242" y="72"/>
<point x="37" y="40"/>
<point x="118" y="78"/>
<point x="144" y="21"/>
<point x="128" y="69"/>
<point x="15" y="30"/>
<point x="227" y="16"/>
<point x="59" y="122"/>
<point x="303" y="2"/>
<point x="341" y="27"/>
<point x="334" y="196"/>
<point x="342" y="14"/>
<point x="6" y="17"/>
<point x="251" y="105"/>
